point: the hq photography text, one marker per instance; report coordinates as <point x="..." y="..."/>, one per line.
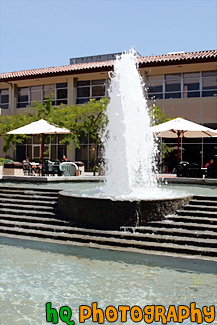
<point x="136" y="314"/>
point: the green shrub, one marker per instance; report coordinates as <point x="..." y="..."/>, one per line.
<point x="4" y="161"/>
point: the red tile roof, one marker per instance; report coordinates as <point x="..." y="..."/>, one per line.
<point x="190" y="56"/>
<point x="176" y="58"/>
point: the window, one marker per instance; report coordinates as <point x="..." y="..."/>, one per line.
<point x="155" y="87"/>
<point x="36" y="146"/>
<point x="90" y="89"/>
<point x="191" y="84"/>
<point x="182" y="85"/>
<point x="36" y="94"/>
<point x="98" y="88"/>
<point x="209" y="83"/>
<point x="61" y="93"/>
<point x="4" y="98"/>
<point x="173" y="85"/>
<point x="53" y="148"/>
<point x="36" y="151"/>
<point x="28" y="95"/>
<point x="83" y="92"/>
<point x="49" y="91"/>
<point x="23" y="97"/>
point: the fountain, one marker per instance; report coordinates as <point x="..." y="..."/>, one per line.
<point x="129" y="143"/>
<point x="131" y="195"/>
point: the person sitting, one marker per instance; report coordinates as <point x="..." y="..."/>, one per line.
<point x="211" y="169"/>
<point x="26" y="166"/>
<point x="64" y="158"/>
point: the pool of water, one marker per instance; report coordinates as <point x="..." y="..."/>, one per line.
<point x="33" y="273"/>
<point x="193" y="189"/>
<point x="81" y="187"/>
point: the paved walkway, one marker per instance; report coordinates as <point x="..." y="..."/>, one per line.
<point x="168" y="178"/>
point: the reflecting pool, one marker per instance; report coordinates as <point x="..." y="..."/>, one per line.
<point x="33" y="273"/>
<point x="80" y="187"/>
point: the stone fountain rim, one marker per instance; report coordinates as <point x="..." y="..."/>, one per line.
<point x="70" y="193"/>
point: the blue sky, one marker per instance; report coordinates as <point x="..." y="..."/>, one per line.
<point x="45" y="33"/>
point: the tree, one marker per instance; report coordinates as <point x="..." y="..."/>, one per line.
<point x="81" y="120"/>
<point x="84" y="121"/>
<point x="157" y="117"/>
<point x="11" y="122"/>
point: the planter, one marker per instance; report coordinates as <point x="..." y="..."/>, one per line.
<point x="13" y="168"/>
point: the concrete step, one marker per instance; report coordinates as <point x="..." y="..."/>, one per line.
<point x="168" y="247"/>
<point x="171" y="231"/>
<point x="194" y="219"/>
<point x="205" y="198"/>
<point x="25" y="212"/>
<point x="31" y="212"/>
<point x="201" y="213"/>
<point x="121" y="235"/>
<point x="183" y="225"/>
<point x="34" y="219"/>
<point x="203" y="202"/>
<point x="28" y="201"/>
<point x="27" y="197"/>
<point x="27" y="206"/>
<point x="34" y="189"/>
<point x="200" y="207"/>
<point x="29" y="192"/>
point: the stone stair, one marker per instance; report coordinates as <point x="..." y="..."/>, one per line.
<point x="33" y="214"/>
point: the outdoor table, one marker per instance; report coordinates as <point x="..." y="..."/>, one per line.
<point x="35" y="168"/>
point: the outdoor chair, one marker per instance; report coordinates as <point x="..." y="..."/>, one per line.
<point x="68" y="168"/>
<point x="182" y="169"/>
<point x="49" y="168"/>
<point x="194" y="170"/>
<point x="56" y="168"/>
<point x="27" y="168"/>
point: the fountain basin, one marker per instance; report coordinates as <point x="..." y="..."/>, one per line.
<point x="106" y="213"/>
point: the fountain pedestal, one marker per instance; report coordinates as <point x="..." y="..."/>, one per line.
<point x="104" y="213"/>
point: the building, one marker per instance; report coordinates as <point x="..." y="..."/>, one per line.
<point x="181" y="84"/>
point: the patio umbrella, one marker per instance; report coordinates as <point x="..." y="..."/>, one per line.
<point x="176" y="148"/>
<point x="40" y="127"/>
<point x="180" y="127"/>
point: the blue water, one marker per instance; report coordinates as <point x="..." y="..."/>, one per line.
<point x="33" y="273"/>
